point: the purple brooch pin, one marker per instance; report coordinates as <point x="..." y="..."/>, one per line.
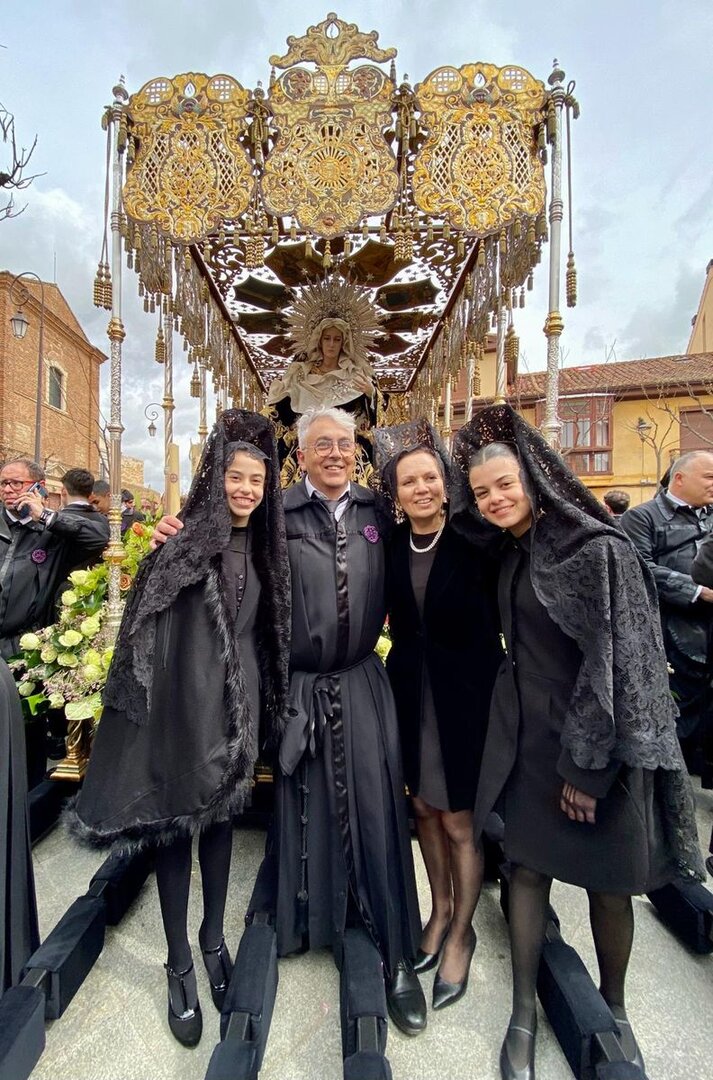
<point x="371" y="533"/>
<point x="38" y="555"/>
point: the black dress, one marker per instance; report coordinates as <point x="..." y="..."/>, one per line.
<point x="442" y="663"/>
<point x="432" y="787"/>
<point x="525" y="765"/>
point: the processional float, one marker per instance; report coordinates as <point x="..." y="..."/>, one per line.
<point x="228" y="203"/>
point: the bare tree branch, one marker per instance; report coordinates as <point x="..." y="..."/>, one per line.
<point x="12" y="174"/>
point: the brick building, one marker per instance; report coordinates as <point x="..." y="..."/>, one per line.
<point x="70" y="427"/>
<point x="623" y="423"/>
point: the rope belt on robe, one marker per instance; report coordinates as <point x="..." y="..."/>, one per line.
<point x="315" y="702"/>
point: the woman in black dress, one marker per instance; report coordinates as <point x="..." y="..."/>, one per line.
<point x="199" y="668"/>
<point x="445" y="652"/>
<point x="581" y="748"/>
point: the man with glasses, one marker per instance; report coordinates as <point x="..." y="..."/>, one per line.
<point x="343" y="849"/>
<point x="38" y="549"/>
<point x="340" y="852"/>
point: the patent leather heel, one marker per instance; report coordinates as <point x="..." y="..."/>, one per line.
<point x="184" y="1020"/>
<point x="220" y="968"/>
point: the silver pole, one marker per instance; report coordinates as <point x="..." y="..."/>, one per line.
<point x="500" y="371"/>
<point x="469" y="377"/>
<point x="203" y="420"/>
<point x="114" y="553"/>
<point x="554" y="324"/>
<point x="168" y="402"/>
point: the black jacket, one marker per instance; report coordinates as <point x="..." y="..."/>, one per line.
<point x="668" y="537"/>
<point x="458" y="642"/>
<point x="35" y="560"/>
<point x="702" y="568"/>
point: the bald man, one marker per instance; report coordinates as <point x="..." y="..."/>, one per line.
<point x="668" y="531"/>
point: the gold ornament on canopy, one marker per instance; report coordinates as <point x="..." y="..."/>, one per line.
<point x="331" y="166"/>
<point x="337" y="299"/>
<point x="480" y="166"/>
<point x="188" y="171"/>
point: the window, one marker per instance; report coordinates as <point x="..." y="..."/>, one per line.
<point x="55" y="387"/>
<point x="586" y="433"/>
<point x="696" y="429"/>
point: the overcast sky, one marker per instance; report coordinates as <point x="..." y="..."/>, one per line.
<point x="642" y="148"/>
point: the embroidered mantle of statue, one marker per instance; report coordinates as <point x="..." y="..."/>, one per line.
<point x="332" y="326"/>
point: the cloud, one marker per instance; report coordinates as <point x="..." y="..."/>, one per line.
<point x="659" y="328"/>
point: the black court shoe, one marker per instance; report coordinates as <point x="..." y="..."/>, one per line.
<point x="447" y="993"/>
<point x="184" y="1018"/>
<point x="220" y="968"/>
<point x="425" y="961"/>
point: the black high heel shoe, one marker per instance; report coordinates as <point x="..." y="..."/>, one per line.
<point x="447" y="993"/>
<point x="426" y="960"/>
<point x="220" y="968"/>
<point x="507" y="1069"/>
<point x="185" y="1020"/>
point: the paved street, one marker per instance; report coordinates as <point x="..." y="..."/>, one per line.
<point x="115" y="1029"/>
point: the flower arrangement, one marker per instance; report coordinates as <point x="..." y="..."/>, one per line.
<point x="383" y="645"/>
<point x="65" y="666"/>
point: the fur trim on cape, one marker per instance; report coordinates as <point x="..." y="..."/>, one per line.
<point x="231" y="793"/>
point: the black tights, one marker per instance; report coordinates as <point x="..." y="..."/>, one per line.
<point x="612" y="920"/>
<point x="173" y="877"/>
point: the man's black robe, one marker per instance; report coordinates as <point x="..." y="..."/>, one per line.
<point x="20" y="935"/>
<point x="340" y="759"/>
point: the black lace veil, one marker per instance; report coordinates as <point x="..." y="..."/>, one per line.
<point x="599" y="591"/>
<point x="185" y="560"/>
<point x="391" y="444"/>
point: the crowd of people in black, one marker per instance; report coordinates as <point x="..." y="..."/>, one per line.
<point x="527" y="677"/>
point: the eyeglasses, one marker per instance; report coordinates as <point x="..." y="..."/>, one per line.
<point x="323" y="447"/>
<point x="14" y="485"/>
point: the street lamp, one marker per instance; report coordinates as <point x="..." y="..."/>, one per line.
<point x="19" y="322"/>
<point x="151" y="412"/>
<point x="642" y="428"/>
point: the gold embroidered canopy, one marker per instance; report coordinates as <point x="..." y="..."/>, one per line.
<point x="431" y="197"/>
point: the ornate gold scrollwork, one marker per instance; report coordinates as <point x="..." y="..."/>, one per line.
<point x="479" y="165"/>
<point x="331" y="166"/>
<point x="189" y="171"/>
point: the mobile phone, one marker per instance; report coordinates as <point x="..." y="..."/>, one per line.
<point x="24" y="511"/>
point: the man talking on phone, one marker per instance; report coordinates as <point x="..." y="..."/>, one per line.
<point x="38" y="549"/>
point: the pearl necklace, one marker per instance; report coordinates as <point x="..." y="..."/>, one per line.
<point x="429" y="547"/>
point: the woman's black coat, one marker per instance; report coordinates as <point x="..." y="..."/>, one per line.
<point x="458" y="640"/>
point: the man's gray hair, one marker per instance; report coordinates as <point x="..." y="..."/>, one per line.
<point x="37" y="473"/>
<point x="682" y="463"/>
<point x="338" y="416"/>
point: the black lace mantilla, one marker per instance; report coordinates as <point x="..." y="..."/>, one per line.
<point x="186" y="559"/>
<point x="598" y="590"/>
<point x="390" y="443"/>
